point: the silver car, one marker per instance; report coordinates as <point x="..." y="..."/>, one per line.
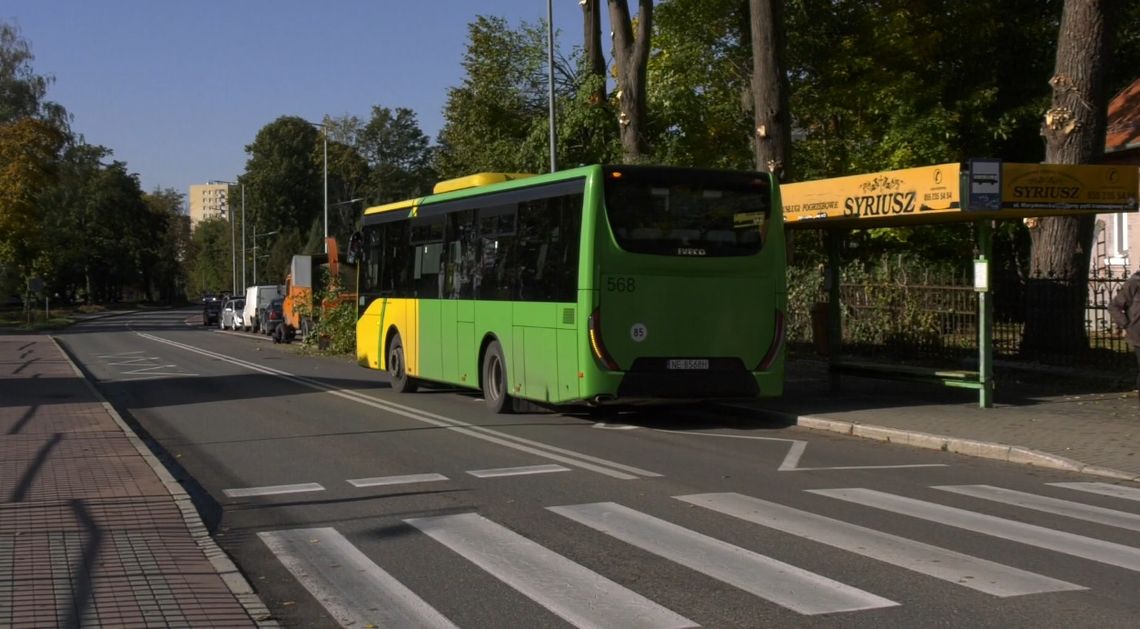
<point x="230" y="318"/>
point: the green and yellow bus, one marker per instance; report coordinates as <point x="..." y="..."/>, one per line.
<point x="593" y="285"/>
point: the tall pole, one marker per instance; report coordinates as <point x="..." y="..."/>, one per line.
<point x="233" y="242"/>
<point x="550" y="72"/>
<point x="325" y="135"/>
<point x="243" y="238"/>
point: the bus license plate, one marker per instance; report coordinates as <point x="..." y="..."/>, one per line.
<point x="687" y="363"/>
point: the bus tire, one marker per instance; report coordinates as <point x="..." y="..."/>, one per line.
<point x="397" y="367"/>
<point x="495" y="380"/>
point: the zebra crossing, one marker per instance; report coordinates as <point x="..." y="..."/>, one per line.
<point x="356" y="591"/>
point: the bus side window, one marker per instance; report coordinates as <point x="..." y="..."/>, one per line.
<point x="373" y="241"/>
<point x="427" y="243"/>
<point x="497" y="237"/>
<point x="460" y="264"/>
<point x="395" y="279"/>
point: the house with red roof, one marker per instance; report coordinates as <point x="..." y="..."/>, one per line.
<point x="1116" y="246"/>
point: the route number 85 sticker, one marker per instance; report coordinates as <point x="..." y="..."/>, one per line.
<point x="638" y="332"/>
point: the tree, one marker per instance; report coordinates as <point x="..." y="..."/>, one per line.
<point x="209" y="260"/>
<point x="22" y="91"/>
<point x="773" y="140"/>
<point x="698" y="78"/>
<point x="284" y="176"/>
<point x="167" y="244"/>
<point x="29" y="152"/>
<point x="495" y="120"/>
<point x="594" y="58"/>
<point x="631" y="54"/>
<point x="398" y="153"/>
<point x="115" y="235"/>
<point x="1074" y="130"/>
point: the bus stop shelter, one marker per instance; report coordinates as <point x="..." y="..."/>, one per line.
<point x="980" y="192"/>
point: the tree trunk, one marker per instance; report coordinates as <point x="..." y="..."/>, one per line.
<point x="592" y="42"/>
<point x="632" y="55"/>
<point x="773" y="139"/>
<point x="1074" y="132"/>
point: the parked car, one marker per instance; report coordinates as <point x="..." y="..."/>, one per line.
<point x="256" y="300"/>
<point x="211" y="310"/>
<point x="271" y="316"/>
<point x="231" y="314"/>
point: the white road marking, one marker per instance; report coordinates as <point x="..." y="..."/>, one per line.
<point x="1110" y="553"/>
<point x="791" y="462"/>
<point x="518" y="471"/>
<point x="354" y="590"/>
<point x="141" y="359"/>
<point x="972" y="572"/>
<point x="407" y="479"/>
<point x="1066" y="508"/>
<point x="574" y="593"/>
<point x="272" y="490"/>
<point x="783" y="584"/>
<point x="612" y="469"/>
<point x="1104" y="489"/>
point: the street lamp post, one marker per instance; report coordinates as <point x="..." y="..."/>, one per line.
<point x="243" y="238"/>
<point x="233" y="237"/>
<point x="255" y="237"/>
<point x="550" y="77"/>
<point x="325" y="140"/>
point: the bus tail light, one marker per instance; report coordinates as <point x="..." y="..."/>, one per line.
<point x="596" y="344"/>
<point x="777" y="343"/>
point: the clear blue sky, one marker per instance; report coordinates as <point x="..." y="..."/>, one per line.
<point x="177" y="88"/>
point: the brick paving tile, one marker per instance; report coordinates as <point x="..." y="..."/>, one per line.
<point x="89" y="535"/>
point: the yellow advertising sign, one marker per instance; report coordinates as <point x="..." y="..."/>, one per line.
<point x="898" y="194"/>
<point x="990" y="189"/>
<point x="1069" y="188"/>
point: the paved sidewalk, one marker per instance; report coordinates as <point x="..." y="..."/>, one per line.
<point x="93" y="530"/>
<point x="1037" y="419"/>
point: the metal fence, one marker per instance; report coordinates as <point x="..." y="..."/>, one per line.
<point x="938" y="324"/>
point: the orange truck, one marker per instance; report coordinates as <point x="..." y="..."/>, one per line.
<point x="305" y="273"/>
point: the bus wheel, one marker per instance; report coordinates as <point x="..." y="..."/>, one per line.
<point x="495" y="380"/>
<point x="397" y="368"/>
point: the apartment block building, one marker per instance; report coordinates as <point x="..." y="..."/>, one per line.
<point x="208" y="200"/>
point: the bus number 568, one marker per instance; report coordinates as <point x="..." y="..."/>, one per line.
<point x="621" y="284"/>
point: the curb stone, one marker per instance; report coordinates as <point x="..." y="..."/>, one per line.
<point x="965" y="447"/>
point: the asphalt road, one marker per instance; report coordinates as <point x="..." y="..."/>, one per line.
<point x="347" y="504"/>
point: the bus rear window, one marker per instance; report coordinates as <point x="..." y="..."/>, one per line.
<point x="679" y="212"/>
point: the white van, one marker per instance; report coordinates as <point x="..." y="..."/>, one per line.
<point x="257" y="298"/>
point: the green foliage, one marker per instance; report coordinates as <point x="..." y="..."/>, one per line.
<point x="166" y="244"/>
<point x="699" y="107"/>
<point x="22" y="91"/>
<point x="890" y="302"/>
<point x="886" y="84"/>
<point x="334" y="323"/>
<point x="398" y="153"/>
<point x="586" y="133"/>
<point x="492" y="120"/>
<point x="29" y="151"/>
<point x="211" y="262"/>
<point x="284" y="175"/>
<point x="284" y="245"/>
